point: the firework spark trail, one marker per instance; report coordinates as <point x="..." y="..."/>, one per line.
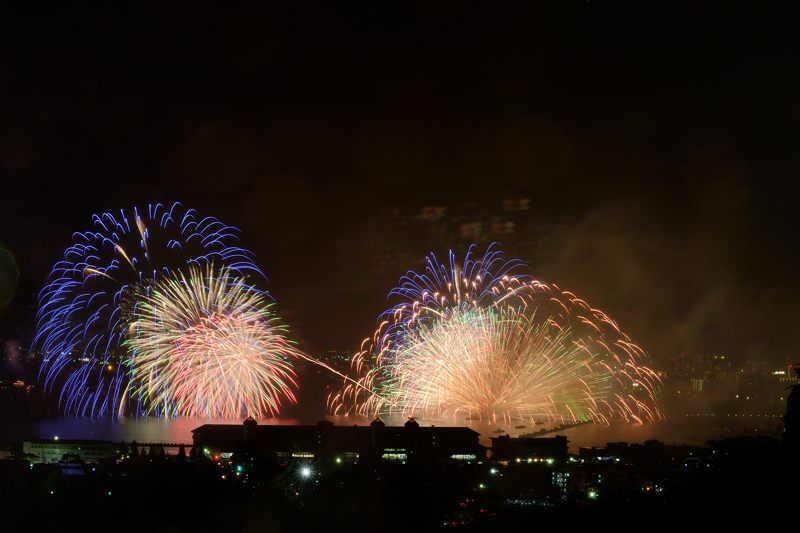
<point x="79" y="326"/>
<point x="208" y="344"/>
<point x="481" y="363"/>
<point x="483" y="339"/>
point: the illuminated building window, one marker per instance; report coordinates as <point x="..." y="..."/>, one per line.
<point x="303" y="455"/>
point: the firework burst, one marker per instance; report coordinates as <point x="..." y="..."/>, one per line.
<point x="208" y="344"/>
<point x="482" y="339"/>
<point x="79" y="324"/>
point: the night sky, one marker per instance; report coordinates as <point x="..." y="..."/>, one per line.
<point x="646" y="160"/>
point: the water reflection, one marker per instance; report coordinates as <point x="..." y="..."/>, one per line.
<point x="682" y="430"/>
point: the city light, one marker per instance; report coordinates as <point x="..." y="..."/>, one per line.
<point x="305" y="472"/>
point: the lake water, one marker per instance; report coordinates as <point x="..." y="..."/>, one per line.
<point x="679" y="430"/>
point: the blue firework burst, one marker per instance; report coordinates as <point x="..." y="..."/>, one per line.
<point x="80" y="320"/>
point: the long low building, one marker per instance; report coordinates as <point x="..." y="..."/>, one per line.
<point x="376" y="442"/>
<point x="506" y="448"/>
<point x="54" y="450"/>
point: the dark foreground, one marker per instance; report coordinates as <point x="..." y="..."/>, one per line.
<point x="625" y="487"/>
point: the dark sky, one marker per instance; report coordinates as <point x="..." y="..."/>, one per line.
<point x="646" y="159"/>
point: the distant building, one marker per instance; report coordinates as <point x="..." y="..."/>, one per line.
<point x="612" y="452"/>
<point x="376" y="442"/>
<point x="791" y="434"/>
<point x="72" y="466"/>
<point x="569" y="482"/>
<point x="53" y="451"/>
<point x="506" y="448"/>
